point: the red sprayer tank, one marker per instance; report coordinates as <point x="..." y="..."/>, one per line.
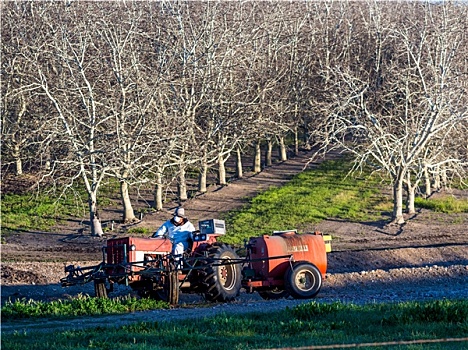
<point x="305" y="247"/>
<point x="286" y="264"/>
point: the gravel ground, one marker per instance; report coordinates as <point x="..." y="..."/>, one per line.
<point x="394" y="285"/>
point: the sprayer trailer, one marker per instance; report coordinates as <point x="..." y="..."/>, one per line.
<point x="275" y="266"/>
<point x="286" y="263"/>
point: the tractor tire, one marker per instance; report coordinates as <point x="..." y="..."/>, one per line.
<point x="223" y="282"/>
<point x="100" y="290"/>
<point x="274" y="294"/>
<point x="303" y="280"/>
<point x="170" y="290"/>
<point x="173" y="288"/>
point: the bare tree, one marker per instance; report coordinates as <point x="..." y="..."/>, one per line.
<point x="68" y="71"/>
<point x="131" y="96"/>
<point x="408" y="98"/>
<point x="216" y="121"/>
<point x="22" y="117"/>
<point x="184" y="90"/>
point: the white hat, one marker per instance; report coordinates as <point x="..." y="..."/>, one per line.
<point x="179" y="212"/>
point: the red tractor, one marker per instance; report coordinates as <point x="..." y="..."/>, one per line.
<point x="147" y="266"/>
<point x="275" y="266"/>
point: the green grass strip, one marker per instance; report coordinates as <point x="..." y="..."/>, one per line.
<point x="26" y="212"/>
<point x="308" y="198"/>
<point x="447" y="204"/>
<point x="83" y="305"/>
<point x="308" y="324"/>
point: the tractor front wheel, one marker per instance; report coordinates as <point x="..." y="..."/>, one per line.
<point x="222" y="281"/>
<point x="303" y="280"/>
<point x="170" y="291"/>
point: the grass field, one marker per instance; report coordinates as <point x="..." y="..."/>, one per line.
<point x="83" y="305"/>
<point x="309" y="324"/>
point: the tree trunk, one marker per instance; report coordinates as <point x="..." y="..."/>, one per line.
<point x="411" y="189"/>
<point x="158" y="202"/>
<point x="282" y="149"/>
<point x="410" y="206"/>
<point x="437" y="185"/>
<point x="182" y="185"/>
<point x="398" y="199"/>
<point x="269" y="150"/>
<point x="128" y="213"/>
<point x="296" y="141"/>
<point x="427" y="181"/>
<point x="221" y="171"/>
<point x="47" y="163"/>
<point x="239" y="172"/>
<point x="443" y="175"/>
<point x="257" y="166"/>
<point x="18" y="160"/>
<point x="95" y="222"/>
<point x="202" y="176"/>
<point x="17" y="145"/>
<point x="306" y="135"/>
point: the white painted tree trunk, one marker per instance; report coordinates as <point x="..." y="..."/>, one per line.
<point x="18" y="160"/>
<point x="437" y="185"/>
<point x="182" y="185"/>
<point x="398" y="199"/>
<point x="269" y="150"/>
<point x="95" y="222"/>
<point x="411" y="189"/>
<point x="444" y="180"/>
<point x="239" y="171"/>
<point x="282" y="149"/>
<point x="202" y="176"/>
<point x="257" y="166"/>
<point x="48" y="157"/>
<point x="128" y="213"/>
<point x="427" y="181"/>
<point x="158" y="202"/>
<point x="296" y="141"/>
<point x="410" y="206"/>
<point x="221" y="171"/>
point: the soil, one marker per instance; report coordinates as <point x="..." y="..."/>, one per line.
<point x="425" y="258"/>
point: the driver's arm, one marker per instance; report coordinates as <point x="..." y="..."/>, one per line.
<point x="161" y="232"/>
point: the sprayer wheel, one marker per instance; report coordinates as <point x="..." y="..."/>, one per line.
<point x="274" y="294"/>
<point x="303" y="280"/>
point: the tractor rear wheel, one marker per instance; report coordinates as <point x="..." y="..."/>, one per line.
<point x="100" y="290"/>
<point x="303" y="280"/>
<point x="223" y="282"/>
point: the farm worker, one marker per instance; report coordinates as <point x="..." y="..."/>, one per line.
<point x="179" y="230"/>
